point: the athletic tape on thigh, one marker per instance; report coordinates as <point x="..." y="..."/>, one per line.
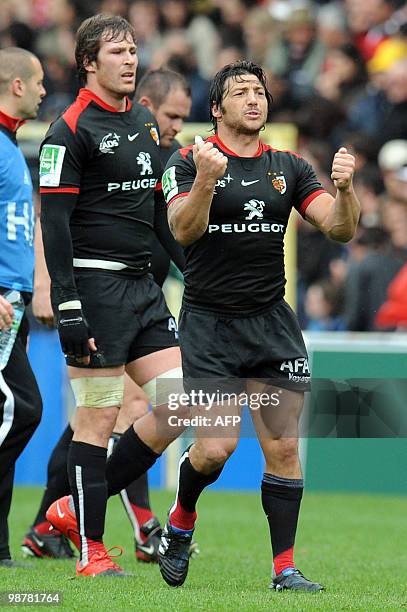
<point x="98" y="391"/>
<point x="158" y="388"/>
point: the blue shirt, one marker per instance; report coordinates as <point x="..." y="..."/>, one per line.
<point x="16" y="214"/>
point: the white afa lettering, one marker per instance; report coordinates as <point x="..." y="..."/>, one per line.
<point x="172" y="326"/>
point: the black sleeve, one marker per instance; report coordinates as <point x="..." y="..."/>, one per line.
<point x="162" y="230"/>
<point x="307" y="187"/>
<point x="56" y="210"/>
<point x="63" y="155"/>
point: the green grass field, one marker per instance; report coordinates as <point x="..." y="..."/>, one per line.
<point x="355" y="545"/>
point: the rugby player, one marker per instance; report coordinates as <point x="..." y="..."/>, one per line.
<point x="167" y="95"/>
<point x="229" y="200"/>
<point x="99" y="171"/>
<point x="21" y="93"/>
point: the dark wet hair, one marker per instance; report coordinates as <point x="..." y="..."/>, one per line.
<point x="218" y="89"/>
<point x="92" y="32"/>
<point x="157" y="84"/>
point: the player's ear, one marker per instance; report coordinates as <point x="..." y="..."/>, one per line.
<point x="88" y="65"/>
<point x="18" y="87"/>
<point x="146" y="101"/>
<point x="216" y="112"/>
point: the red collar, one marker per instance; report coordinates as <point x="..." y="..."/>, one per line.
<point x="87" y="95"/>
<point x="11" y="123"/>
<point x="225" y="149"/>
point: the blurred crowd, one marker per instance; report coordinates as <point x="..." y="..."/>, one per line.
<point x="337" y="70"/>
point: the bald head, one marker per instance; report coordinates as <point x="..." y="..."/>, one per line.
<point x="21" y="87"/>
<point x="15" y="63"/>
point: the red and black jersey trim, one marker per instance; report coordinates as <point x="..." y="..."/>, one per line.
<point x="216" y="140"/>
<point x="304" y="205"/>
<point x="185" y="150"/>
<point x="74" y="190"/>
<point x="85" y="97"/>
<point x="11" y="123"/>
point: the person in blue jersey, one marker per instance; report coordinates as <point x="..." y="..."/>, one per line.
<point x="21" y="93"/>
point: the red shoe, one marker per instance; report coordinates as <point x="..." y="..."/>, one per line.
<point x="101" y="564"/>
<point x="63" y="519"/>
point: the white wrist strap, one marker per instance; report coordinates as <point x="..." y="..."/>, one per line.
<point x="72" y="305"/>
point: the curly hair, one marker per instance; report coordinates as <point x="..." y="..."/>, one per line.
<point x="218" y="89"/>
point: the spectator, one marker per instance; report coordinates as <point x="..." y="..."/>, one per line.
<point x="323" y="304"/>
<point x="344" y="77"/>
<point x="144" y="17"/>
<point x="298" y="55"/>
<point x="369" y="113"/>
<point x="373" y="265"/>
<point x="369" y="187"/>
<point x="392" y="161"/>
<point x="395" y="87"/>
<point x="393" y="313"/>
<point x="199" y="31"/>
<point x="259" y="30"/>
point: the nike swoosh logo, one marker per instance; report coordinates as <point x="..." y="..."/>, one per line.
<point x="149" y="550"/>
<point x="247" y="183"/>
<point x="37" y="541"/>
<point x="60" y="514"/>
<point x="133" y="136"/>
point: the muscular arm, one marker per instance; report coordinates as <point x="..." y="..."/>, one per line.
<point x="337" y="217"/>
<point x="188" y="216"/>
<point x="56" y="210"/>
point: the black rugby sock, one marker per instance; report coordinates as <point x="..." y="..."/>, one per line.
<point x="57" y="475"/>
<point x="281" y="499"/>
<point x="190" y="486"/>
<point x="135" y="497"/>
<point x="130" y="458"/>
<point x="87" y="469"/>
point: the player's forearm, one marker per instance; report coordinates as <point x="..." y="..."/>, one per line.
<point x="190" y="220"/>
<point x="42" y="281"/>
<point x="343" y="218"/>
<point x="56" y="237"/>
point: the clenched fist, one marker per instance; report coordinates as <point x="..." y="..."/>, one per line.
<point x="209" y="161"/>
<point x="343" y="169"/>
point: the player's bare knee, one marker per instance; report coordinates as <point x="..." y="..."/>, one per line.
<point x="285" y="450"/>
<point x="215" y="456"/>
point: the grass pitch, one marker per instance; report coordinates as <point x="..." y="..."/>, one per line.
<point x="355" y="545"/>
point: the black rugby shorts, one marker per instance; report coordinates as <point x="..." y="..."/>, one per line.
<point x="231" y="349"/>
<point x="127" y="316"/>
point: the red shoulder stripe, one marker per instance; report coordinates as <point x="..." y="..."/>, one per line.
<point x="303" y="207"/>
<point x="185" y="150"/>
<point x="72" y="114"/>
<point x="59" y="190"/>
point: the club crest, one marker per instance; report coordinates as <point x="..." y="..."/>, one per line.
<point x="154" y="135"/>
<point x="279" y="183"/>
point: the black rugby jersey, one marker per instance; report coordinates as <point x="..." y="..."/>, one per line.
<point x="238" y="263"/>
<point x="111" y="160"/>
